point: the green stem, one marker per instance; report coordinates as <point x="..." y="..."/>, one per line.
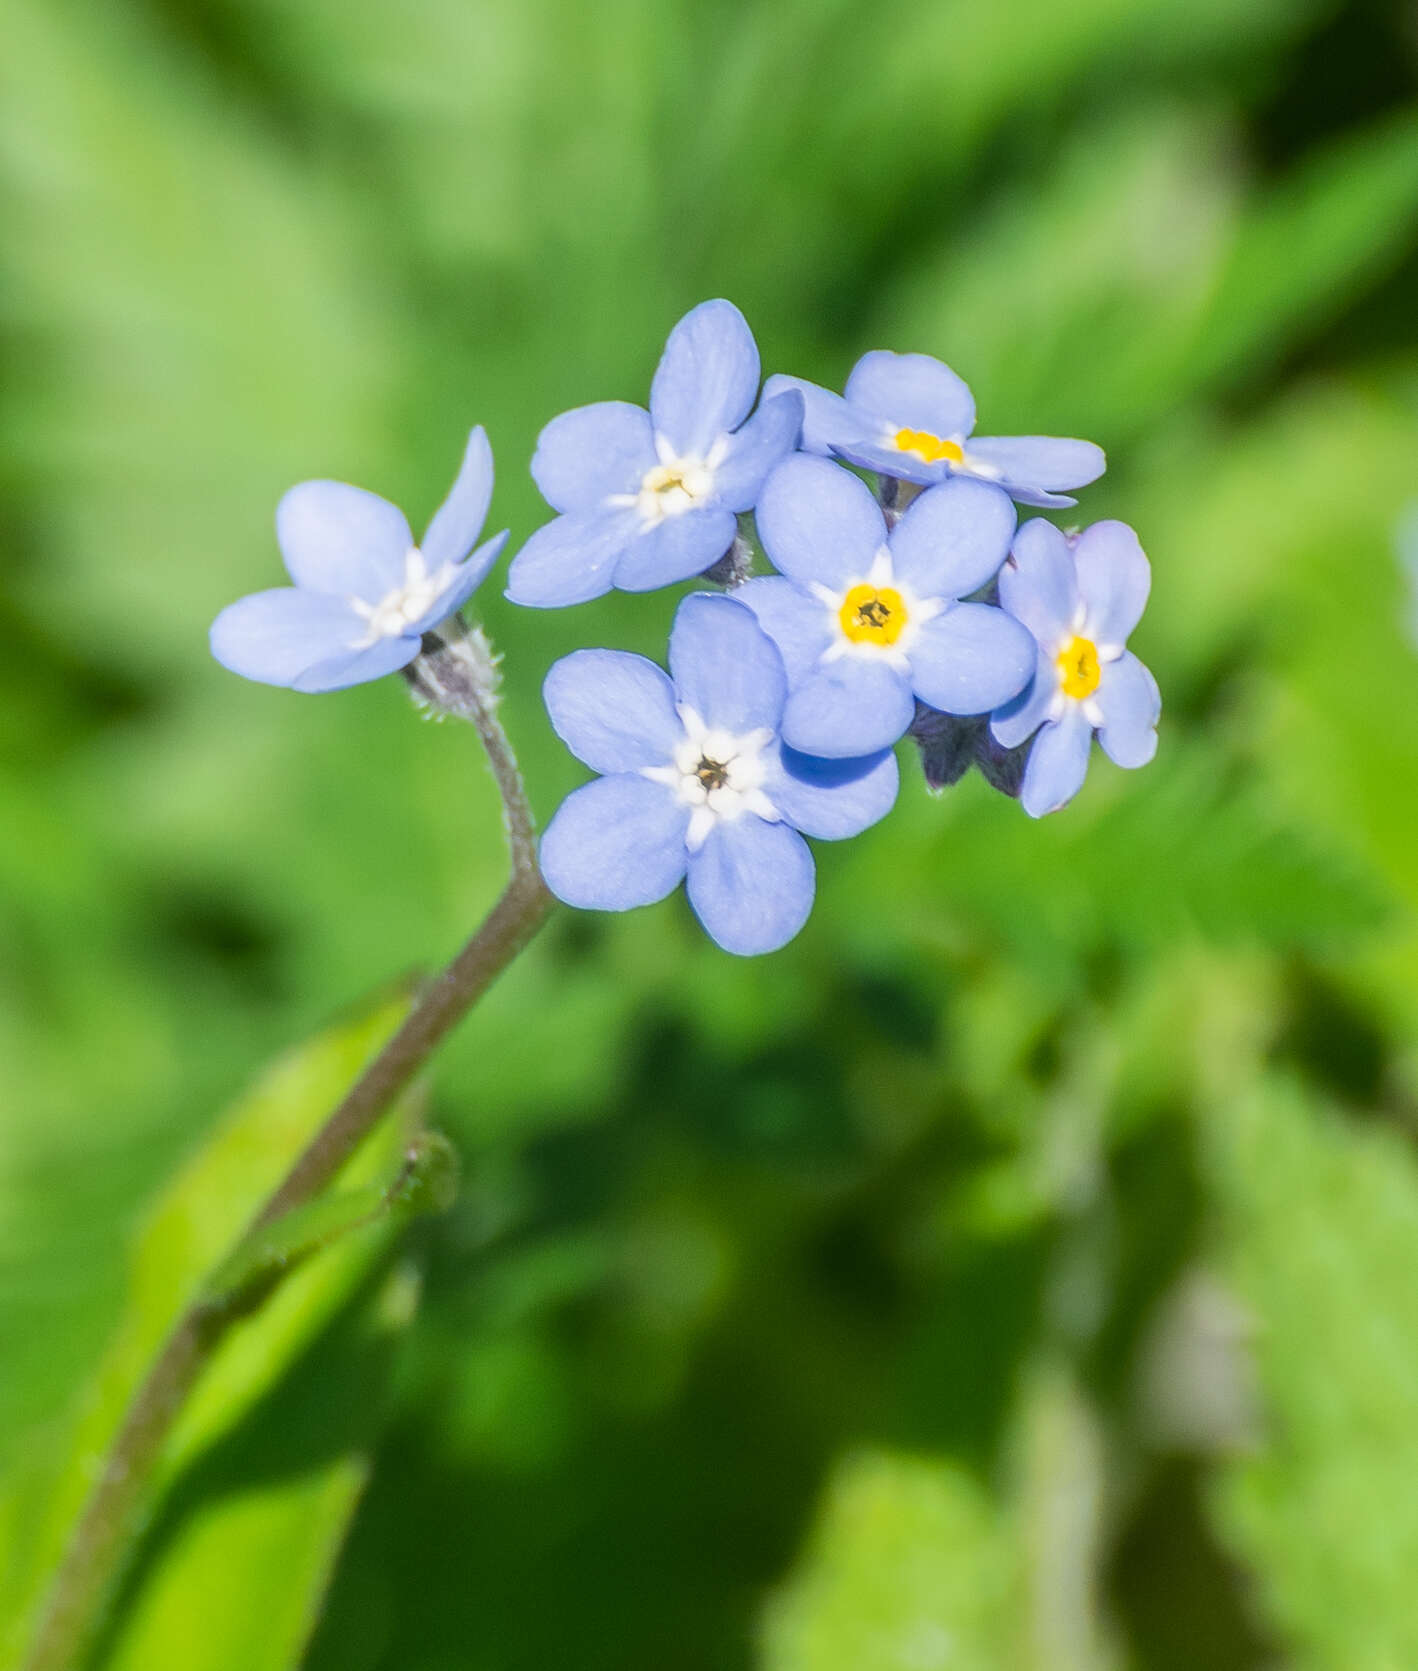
<point x="457" y="675"/>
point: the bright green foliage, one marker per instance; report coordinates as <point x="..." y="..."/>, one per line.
<point x="242" y="1587"/>
<point x="784" y="1305"/>
<point x="907" y="1568"/>
<point x="201" y="1215"/>
<point x="1320" y="1227"/>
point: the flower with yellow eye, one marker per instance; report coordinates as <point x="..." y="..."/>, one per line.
<point x="869" y="619"/>
<point x="651" y="498"/>
<point x="909" y="417"/>
<point x="1080" y="598"/>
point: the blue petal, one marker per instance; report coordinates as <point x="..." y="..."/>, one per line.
<point x="1020" y="719"/>
<point x="613" y="710"/>
<point x="828" y="420"/>
<point x="912" y="391"/>
<point x="358" y="667"/>
<point x="1058" y="763"/>
<point x="953" y="538"/>
<point x="971" y="659"/>
<point x="797" y="622"/>
<point x="852" y="706"/>
<point x="706" y="380"/>
<point x="831" y="799"/>
<point x="887" y="460"/>
<point x="1114" y="579"/>
<point x="591" y="452"/>
<point x="1042" y="463"/>
<point x="571" y="560"/>
<point x="464" y="583"/>
<point x="763" y="442"/>
<point x="751" y="885"/>
<point x="725" y="667"/>
<point x="675" y="548"/>
<point x="1131" y="705"/>
<point x="1036" y="498"/>
<point x="1038" y="585"/>
<point x="818" y="522"/>
<point x="279" y="636"/>
<point x="339" y="539"/>
<point x="459" y="519"/>
<point x="615" y="843"/>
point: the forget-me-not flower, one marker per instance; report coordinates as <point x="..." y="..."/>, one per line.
<point x="649" y="498"/>
<point x="364" y="593"/>
<point x="867" y="621"/>
<point x="1080" y="598"/>
<point x="698" y="785"/>
<point x="909" y="416"/>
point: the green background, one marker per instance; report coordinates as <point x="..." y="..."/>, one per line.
<point x="1019" y="1269"/>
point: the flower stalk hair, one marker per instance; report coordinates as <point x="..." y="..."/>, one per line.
<point x="924" y="608"/>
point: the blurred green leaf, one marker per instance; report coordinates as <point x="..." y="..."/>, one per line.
<point x="910" y="1567"/>
<point x="198" y="1217"/>
<point x="1319" y="1231"/>
<point x="1336" y="223"/>
<point x="1148" y="268"/>
<point x="239" y="1588"/>
<point x="232" y="1574"/>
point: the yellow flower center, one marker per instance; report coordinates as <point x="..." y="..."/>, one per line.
<point x="1079" y="669"/>
<point x="872" y="615"/>
<point x="930" y="449"/>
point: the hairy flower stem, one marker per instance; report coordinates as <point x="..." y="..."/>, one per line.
<point x="455" y="674"/>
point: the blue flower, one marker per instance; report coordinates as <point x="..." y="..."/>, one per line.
<point x="866" y="621"/>
<point x="649" y="498"/>
<point x="364" y="593"/>
<point x="1079" y="598"/>
<point x="698" y="785"/>
<point x="910" y="417"/>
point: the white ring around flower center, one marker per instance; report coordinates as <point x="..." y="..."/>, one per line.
<point x="881" y="574"/>
<point x="718" y="774"/>
<point x="398" y="609"/>
<point x="677" y="483"/>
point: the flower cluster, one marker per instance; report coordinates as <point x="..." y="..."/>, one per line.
<point x="922" y="608"/>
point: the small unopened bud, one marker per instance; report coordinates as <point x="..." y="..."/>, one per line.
<point x="894" y="496"/>
<point x="1002" y="768"/>
<point x="951" y="744"/>
<point x="734" y="567"/>
<point x="947" y="745"/>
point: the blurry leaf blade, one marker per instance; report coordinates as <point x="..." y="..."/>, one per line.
<point x="1341" y="218"/>
<point x="202" y="1211"/>
<point x="909" y="1565"/>
<point x="240" y="1587"/>
<point x="1320" y="1226"/>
